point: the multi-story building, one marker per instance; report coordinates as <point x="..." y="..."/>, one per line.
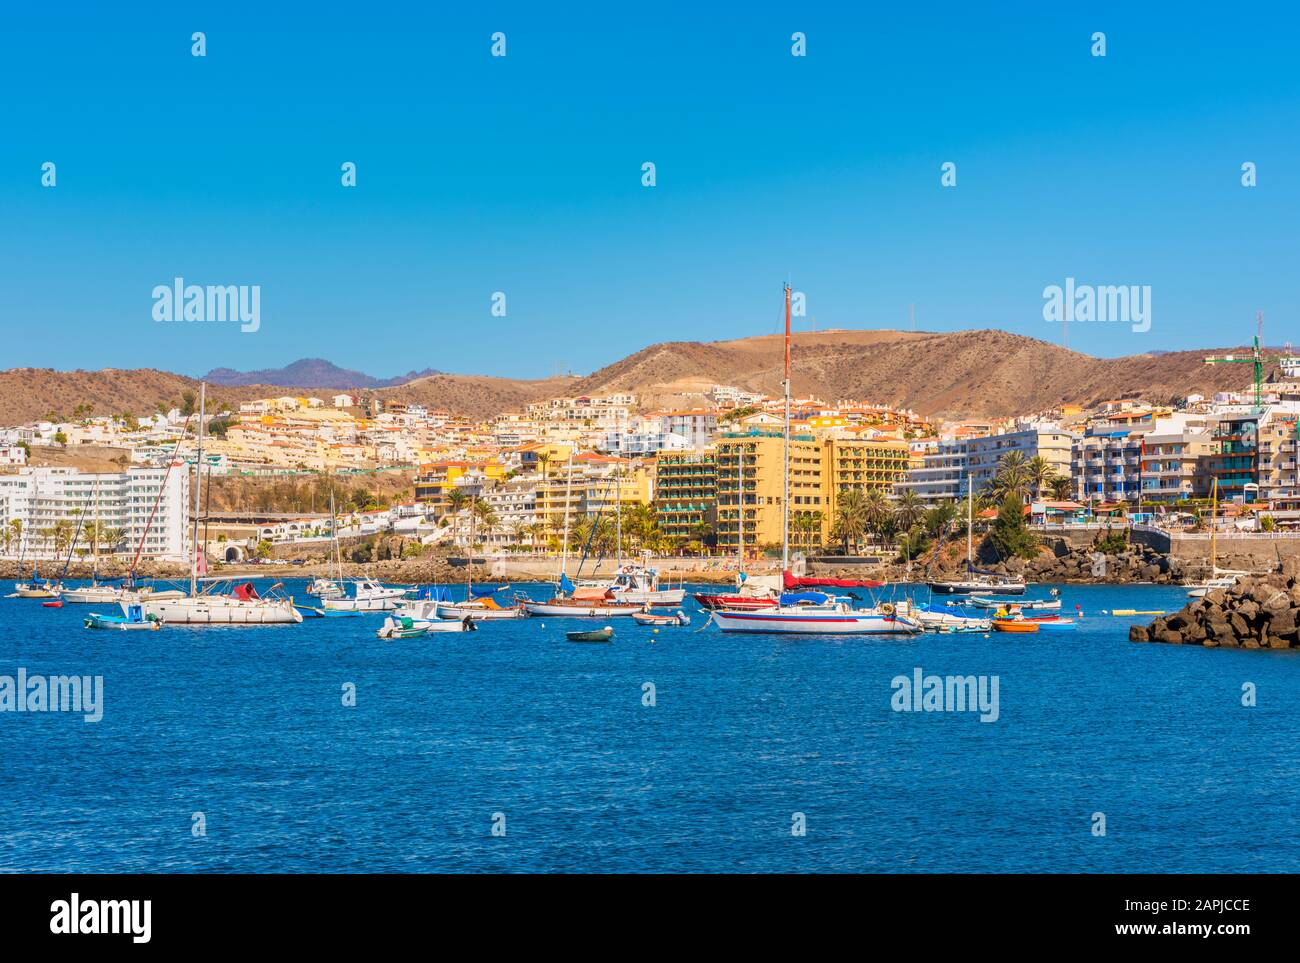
<point x="984" y="455"/>
<point x="942" y="475"/>
<point x="863" y="465"/>
<point x="50" y="502"/>
<point x="686" y="491"/>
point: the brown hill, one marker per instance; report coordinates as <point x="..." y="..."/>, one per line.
<point x="966" y="373"/>
<point x="961" y="374"/>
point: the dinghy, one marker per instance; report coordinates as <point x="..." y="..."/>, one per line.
<point x="594" y="635"/>
<point x="652" y="618"/>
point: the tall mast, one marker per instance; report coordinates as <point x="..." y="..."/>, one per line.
<point x="1214" y="526"/>
<point x="334" y="530"/>
<point x="740" y="522"/>
<point x="618" y="517"/>
<point x="469" y="580"/>
<point x="785" y="446"/>
<point x="568" y="496"/>
<point x="970" y="509"/>
<point x="198" y="486"/>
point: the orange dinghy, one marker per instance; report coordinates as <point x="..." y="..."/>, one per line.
<point x="1015" y="625"/>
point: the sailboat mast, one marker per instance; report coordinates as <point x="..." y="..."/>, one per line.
<point x="785" y="446"/>
<point x="469" y="578"/>
<point x="970" y="510"/>
<point x="618" y="518"/>
<point x="568" y="497"/>
<point x="334" y="530"/>
<point x="198" y="486"/>
<point x="740" y="518"/>
<point x="1214" y="526"/>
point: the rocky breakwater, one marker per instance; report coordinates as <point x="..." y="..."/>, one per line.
<point x="1089" y="566"/>
<point x="1262" y="612"/>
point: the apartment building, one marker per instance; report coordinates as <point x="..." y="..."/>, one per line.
<point x="983" y="455"/>
<point x="941" y="476"/>
<point x="50" y="502"/>
<point x="686" y="491"/>
<point x="862" y="465"/>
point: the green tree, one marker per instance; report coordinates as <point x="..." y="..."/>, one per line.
<point x="1010" y="535"/>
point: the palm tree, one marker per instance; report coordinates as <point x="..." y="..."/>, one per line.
<point x="1062" y="487"/>
<point x="1040" y="473"/>
<point x="455" y="499"/>
<point x="908" y="509"/>
<point x="850" y="517"/>
<point x="877" y="510"/>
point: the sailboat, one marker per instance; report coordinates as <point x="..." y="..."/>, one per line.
<point x="1220" y="578"/>
<point x="209" y="606"/>
<point x="976" y="582"/>
<point x="573" y="601"/>
<point x="478" y="606"/>
<point x="808" y="612"/>
<point x="368" y="594"/>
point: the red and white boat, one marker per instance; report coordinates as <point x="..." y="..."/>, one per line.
<point x="836" y="618"/>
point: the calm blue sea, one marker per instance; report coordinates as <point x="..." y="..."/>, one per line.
<point x="247" y="726"/>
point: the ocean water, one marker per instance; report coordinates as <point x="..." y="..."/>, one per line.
<point x="248" y="727"/>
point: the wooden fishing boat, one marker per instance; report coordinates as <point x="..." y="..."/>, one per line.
<point x="655" y="618"/>
<point x="1015" y="625"/>
<point x="594" y="635"/>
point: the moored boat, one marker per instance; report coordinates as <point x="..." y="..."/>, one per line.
<point x="133" y="619"/>
<point x="593" y="635"/>
<point x="655" y="618"/>
<point x="1015" y="625"/>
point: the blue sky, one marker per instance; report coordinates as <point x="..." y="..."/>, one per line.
<point x="523" y="175"/>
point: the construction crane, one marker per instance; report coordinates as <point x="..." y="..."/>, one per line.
<point x="1256" y="358"/>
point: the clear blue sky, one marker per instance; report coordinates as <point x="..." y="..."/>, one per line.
<point x="522" y="175"/>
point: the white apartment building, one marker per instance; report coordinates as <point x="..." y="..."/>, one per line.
<point x="942" y="475"/>
<point x="631" y="444"/>
<point x="50" y="499"/>
<point x="1049" y="441"/>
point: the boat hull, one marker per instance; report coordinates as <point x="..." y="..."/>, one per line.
<point x="221" y="610"/>
<point x="829" y="623"/>
<point x="976" y="588"/>
<point x="1015" y="627"/>
<point x="745" y="602"/>
<point x="655" y="597"/>
<point x="579" y="611"/>
<point x="478" y="613"/>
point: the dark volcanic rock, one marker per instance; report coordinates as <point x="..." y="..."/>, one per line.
<point x="1262" y="611"/>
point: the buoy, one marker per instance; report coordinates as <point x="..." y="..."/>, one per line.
<point x="656" y="632"/>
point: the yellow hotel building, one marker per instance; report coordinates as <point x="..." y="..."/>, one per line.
<point x="820" y="471"/>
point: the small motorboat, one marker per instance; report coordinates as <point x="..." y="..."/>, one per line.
<point x="1053" y="622"/>
<point x="405" y="627"/>
<point x="593" y="635"/>
<point x="56" y="604"/>
<point x="1015" y="625"/>
<point x="653" y="618"/>
<point x="1042" y="605"/>
<point x="134" y="619"/>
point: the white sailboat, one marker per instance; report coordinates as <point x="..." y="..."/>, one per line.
<point x="242" y="606"/>
<point x="573" y="601"/>
<point x="1220" y="578"/>
<point x="480" y="609"/>
<point x="808" y="613"/>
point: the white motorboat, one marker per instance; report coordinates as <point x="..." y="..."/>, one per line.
<point x="368" y="596"/>
<point x="639" y="584"/>
<point x="405" y="627"/>
<point x="944" y="618"/>
<point x="479" y="610"/>
<point x="37" y="590"/>
<point x="325" y="588"/>
<point x="987" y="602"/>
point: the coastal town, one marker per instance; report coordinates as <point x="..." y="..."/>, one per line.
<point x="704" y="481"/>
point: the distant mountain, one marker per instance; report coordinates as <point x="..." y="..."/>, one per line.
<point x="310" y="373"/>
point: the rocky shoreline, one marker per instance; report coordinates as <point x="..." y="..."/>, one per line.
<point x="1261" y="612"/>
